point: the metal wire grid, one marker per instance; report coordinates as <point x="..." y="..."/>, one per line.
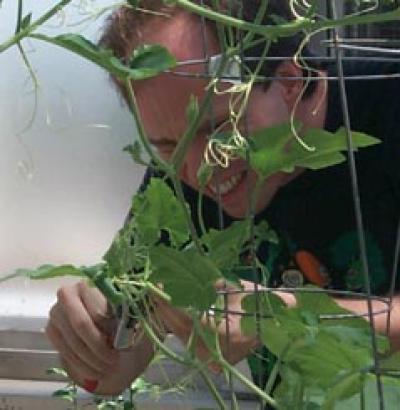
<point x="340" y="49"/>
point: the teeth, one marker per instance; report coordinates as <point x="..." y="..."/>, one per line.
<point x="226" y="186"/>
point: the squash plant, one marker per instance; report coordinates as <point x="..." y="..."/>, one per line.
<point x="324" y="354"/>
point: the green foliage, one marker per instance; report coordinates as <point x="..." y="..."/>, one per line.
<point x="157" y="209"/>
<point x="48" y="272"/>
<point x="136" y="152"/>
<point x="329" y="356"/>
<point x="58" y="371"/>
<point x="187" y="276"/>
<point x="150" y="60"/>
<point x="204" y="174"/>
<point x="192" y="110"/>
<point x="123" y="256"/>
<point x="225" y="246"/>
<point x="68" y="394"/>
<point x="326" y="363"/>
<point x="26" y="21"/>
<point x="146" y="61"/>
<point x="133" y="3"/>
<point x="275" y="149"/>
<point x="391" y="363"/>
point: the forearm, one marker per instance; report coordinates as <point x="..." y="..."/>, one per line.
<point x="380" y="316"/>
<point x="380" y="311"/>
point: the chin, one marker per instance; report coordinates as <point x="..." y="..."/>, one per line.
<point x="241" y="212"/>
<point x="236" y="213"/>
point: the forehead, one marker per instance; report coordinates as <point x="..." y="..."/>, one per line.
<point x="186" y="35"/>
<point x="163" y="100"/>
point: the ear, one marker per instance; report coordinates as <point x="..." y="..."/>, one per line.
<point x="290" y="87"/>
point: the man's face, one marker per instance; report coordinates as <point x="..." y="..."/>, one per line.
<point x="163" y="101"/>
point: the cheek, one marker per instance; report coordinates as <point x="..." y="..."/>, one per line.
<point x="267" y="108"/>
<point x="193" y="159"/>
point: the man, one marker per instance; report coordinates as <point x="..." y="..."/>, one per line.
<point x="312" y="212"/>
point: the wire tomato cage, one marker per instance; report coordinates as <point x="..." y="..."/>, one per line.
<point x="339" y="46"/>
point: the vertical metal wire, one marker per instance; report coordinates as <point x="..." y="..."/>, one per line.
<point x="357" y="205"/>
<point x="251" y="216"/>
<point x="226" y="306"/>
<point x="393" y="277"/>
<point x="220" y="212"/>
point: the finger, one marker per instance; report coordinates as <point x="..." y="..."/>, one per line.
<point x="97" y="307"/>
<point x="74" y="343"/>
<point x="89" y="385"/>
<point x="84" y="327"/>
<point x="82" y="370"/>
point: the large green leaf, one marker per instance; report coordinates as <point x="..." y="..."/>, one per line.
<point x="146" y="61"/>
<point x="316" y="300"/>
<point x="157" y="209"/>
<point x="263" y="315"/>
<point x="323" y="360"/>
<point x="123" y="257"/>
<point x="150" y="60"/>
<point x="291" y="393"/>
<point x="275" y="149"/>
<point x="348" y="386"/>
<point x="46" y="272"/>
<point x="332" y="319"/>
<point x="187" y="277"/>
<point x="391" y="395"/>
<point x="224" y="246"/>
<point x="391" y="363"/>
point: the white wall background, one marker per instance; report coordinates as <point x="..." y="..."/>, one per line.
<point x="65" y="184"/>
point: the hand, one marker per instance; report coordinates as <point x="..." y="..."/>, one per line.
<point x="234" y="345"/>
<point x="80" y="328"/>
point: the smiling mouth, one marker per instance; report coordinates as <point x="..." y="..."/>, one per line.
<point x="228" y="185"/>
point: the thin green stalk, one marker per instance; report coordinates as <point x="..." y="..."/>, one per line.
<point x="28" y="66"/>
<point x="141" y="132"/>
<point x="160" y="345"/>
<point x="186" y="362"/>
<point x="105" y="285"/>
<point x="158" y="291"/>
<point x="273" y="375"/>
<point x="32" y="27"/>
<point x="222" y="39"/>
<point x="164" y="166"/>
<point x="290" y="28"/>
<point x="179" y="193"/>
<point x="217" y="396"/>
<point x="248" y="38"/>
<point x="243" y="379"/>
<point x="200" y="211"/>
<point x="265" y="30"/>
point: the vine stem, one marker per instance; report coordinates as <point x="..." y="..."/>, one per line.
<point x="212" y="388"/>
<point x="186" y="362"/>
<point x="158" y="291"/>
<point x="287" y="29"/>
<point x="141" y="131"/>
<point x="32" y="27"/>
<point x="164" y="166"/>
<point x="243" y="379"/>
